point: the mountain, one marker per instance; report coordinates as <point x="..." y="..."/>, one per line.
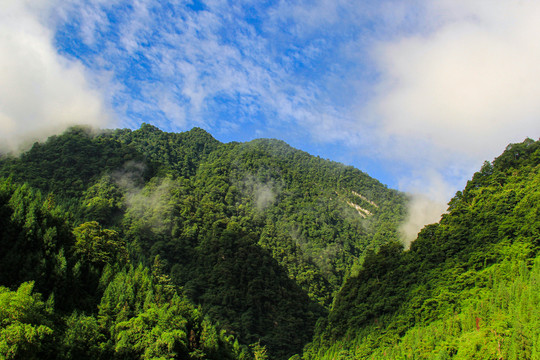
<point x="127" y="233"/>
<point x="469" y="286"/>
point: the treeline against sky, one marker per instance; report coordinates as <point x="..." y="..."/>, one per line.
<point x="146" y="244"/>
<point x="467" y="288"/>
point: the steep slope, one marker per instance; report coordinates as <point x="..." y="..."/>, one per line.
<point x="467" y="288"/>
<point x="303" y="207"/>
<point x="97" y="305"/>
<point x="261" y="235"/>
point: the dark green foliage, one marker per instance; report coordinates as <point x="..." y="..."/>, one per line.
<point x="248" y="206"/>
<point x="134" y="313"/>
<point x="243" y="286"/>
<point x="301" y="203"/>
<point x="99" y="246"/>
<point x="35" y="240"/>
<point x="180" y="152"/>
<point x="145" y="318"/>
<point x="221" y="266"/>
<point x="68" y="163"/>
<point x="82" y="337"/>
<point x="259" y="235"/>
<point x="465" y="288"/>
<point x="104" y="202"/>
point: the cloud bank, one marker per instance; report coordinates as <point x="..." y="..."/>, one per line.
<point x="42" y="92"/>
<point x="455" y="93"/>
<point x="471" y="85"/>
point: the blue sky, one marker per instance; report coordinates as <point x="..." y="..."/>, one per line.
<point x="415" y="93"/>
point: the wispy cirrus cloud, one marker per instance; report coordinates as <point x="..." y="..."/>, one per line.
<point x="432" y="89"/>
<point x="186" y="66"/>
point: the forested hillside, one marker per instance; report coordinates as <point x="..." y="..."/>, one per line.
<point x="468" y="288"/>
<point x="75" y="293"/>
<point x="143" y="244"/>
<point x="124" y="244"/>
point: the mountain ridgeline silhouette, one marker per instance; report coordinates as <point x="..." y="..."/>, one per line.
<point x="140" y="244"/>
<point x="258" y="236"/>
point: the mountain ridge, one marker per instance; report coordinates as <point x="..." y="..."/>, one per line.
<point x="439" y="299"/>
<point x="258" y="234"/>
<point x="151" y="244"/>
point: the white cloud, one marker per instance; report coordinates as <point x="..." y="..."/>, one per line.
<point x="455" y="92"/>
<point x="172" y="110"/>
<point x="438" y="86"/>
<point x="429" y="193"/>
<point x="41" y="92"/>
<point x="471" y="86"/>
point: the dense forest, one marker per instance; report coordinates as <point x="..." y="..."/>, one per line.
<point x="122" y="244"/>
<point x="146" y="244"/>
<point x="468" y="288"/>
